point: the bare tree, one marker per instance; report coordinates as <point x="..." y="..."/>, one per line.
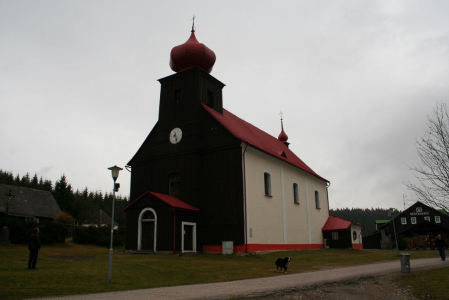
<point x="433" y="171"/>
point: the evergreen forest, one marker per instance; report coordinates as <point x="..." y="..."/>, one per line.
<point x="79" y="204"/>
<point x="83" y="204"/>
<point x="364" y="216"/>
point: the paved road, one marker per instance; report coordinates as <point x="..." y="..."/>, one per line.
<point x="260" y="286"/>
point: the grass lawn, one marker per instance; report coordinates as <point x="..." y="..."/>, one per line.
<point x="79" y="269"/>
<point x="432" y="284"/>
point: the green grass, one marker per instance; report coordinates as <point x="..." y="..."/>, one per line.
<point x="427" y="284"/>
<point x="63" y="273"/>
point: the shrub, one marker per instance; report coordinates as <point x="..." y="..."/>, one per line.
<point x="100" y="236"/>
<point x="20" y="230"/>
<point x="64" y="218"/>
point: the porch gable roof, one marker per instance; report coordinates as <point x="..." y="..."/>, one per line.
<point x="170" y="200"/>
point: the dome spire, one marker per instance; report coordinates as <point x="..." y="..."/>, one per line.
<point x="192" y="54"/>
<point x="283" y="136"/>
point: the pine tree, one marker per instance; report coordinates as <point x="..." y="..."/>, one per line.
<point x="35" y="182"/>
<point x="64" y="195"/>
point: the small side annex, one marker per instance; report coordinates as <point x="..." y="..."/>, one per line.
<point x="176" y="220"/>
<point x="341" y="233"/>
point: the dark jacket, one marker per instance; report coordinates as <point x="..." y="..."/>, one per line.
<point x="440" y="243"/>
<point x="34" y="242"/>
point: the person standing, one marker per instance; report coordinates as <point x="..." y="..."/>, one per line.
<point x="441" y="244"/>
<point x="34" y="245"/>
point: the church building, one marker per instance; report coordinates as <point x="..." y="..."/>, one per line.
<point x="204" y="178"/>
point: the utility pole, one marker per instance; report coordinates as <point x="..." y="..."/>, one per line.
<point x="394" y="229"/>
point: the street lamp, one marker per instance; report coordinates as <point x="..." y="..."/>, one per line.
<point x="394" y="229"/>
<point x="114" y="170"/>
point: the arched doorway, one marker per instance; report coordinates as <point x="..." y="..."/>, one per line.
<point x="147" y="230"/>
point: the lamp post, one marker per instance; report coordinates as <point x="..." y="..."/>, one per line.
<point x="394" y="229"/>
<point x="114" y="170"/>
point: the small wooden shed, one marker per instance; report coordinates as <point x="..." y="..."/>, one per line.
<point x="341" y="233"/>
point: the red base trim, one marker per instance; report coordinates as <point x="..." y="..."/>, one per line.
<point x="264" y="247"/>
<point x="357" y="246"/>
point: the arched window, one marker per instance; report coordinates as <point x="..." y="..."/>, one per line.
<point x="295" y="193"/>
<point x="148" y="216"/>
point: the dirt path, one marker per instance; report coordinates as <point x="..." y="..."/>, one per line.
<point x="379" y="287"/>
<point x="372" y="281"/>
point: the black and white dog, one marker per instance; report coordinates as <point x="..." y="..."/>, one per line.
<point x="283" y="263"/>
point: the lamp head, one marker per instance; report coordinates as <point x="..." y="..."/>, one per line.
<point x="115" y="170"/>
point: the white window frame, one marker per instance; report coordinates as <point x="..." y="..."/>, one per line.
<point x="296" y="193"/>
<point x="139" y="228"/>
<point x="403" y="221"/>
<point x="317" y="200"/>
<point x="335" y="235"/>
<point x="437" y="219"/>
<point x="427" y="218"/>
<point x="413" y="220"/>
<point x="267" y="184"/>
<point x="193" y="237"/>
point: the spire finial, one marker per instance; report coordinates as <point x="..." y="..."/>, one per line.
<point x="282" y="124"/>
<point x="283" y="137"/>
<point x="193" y="23"/>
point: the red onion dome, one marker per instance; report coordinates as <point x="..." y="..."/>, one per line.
<point x="191" y="54"/>
<point x="283" y="136"/>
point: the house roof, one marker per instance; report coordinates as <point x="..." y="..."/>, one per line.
<point x="382" y="221"/>
<point x="28" y="202"/>
<point x="335" y="223"/>
<point x="259" y="139"/>
<point x="443" y="212"/>
<point x="100" y="217"/>
<point x="170" y="200"/>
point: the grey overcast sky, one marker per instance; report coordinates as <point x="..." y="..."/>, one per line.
<point x="355" y="81"/>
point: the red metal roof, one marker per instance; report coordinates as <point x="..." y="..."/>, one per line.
<point x="259" y="139"/>
<point x="190" y="54"/>
<point x="335" y="223"/>
<point x="170" y="200"/>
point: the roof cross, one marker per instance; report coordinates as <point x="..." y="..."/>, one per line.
<point x="193" y="23"/>
<point x="10" y="196"/>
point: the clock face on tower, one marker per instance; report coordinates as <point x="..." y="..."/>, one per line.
<point x="175" y="135"/>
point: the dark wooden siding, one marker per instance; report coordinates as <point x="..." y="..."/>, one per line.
<point x="208" y="159"/>
<point x="165" y="221"/>
<point x="344" y="239"/>
<point x="431" y="228"/>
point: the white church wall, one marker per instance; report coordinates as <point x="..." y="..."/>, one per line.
<point x="277" y="219"/>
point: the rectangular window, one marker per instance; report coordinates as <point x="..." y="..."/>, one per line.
<point x="173" y="184"/>
<point x="403" y="221"/>
<point x="295" y="193"/>
<point x="210" y="99"/>
<point x="267" y="183"/>
<point x="427" y="219"/>
<point x="177" y="96"/>
<point x="413" y="220"/>
<point x="317" y="199"/>
<point x="437" y="219"/>
<point x="335" y="236"/>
